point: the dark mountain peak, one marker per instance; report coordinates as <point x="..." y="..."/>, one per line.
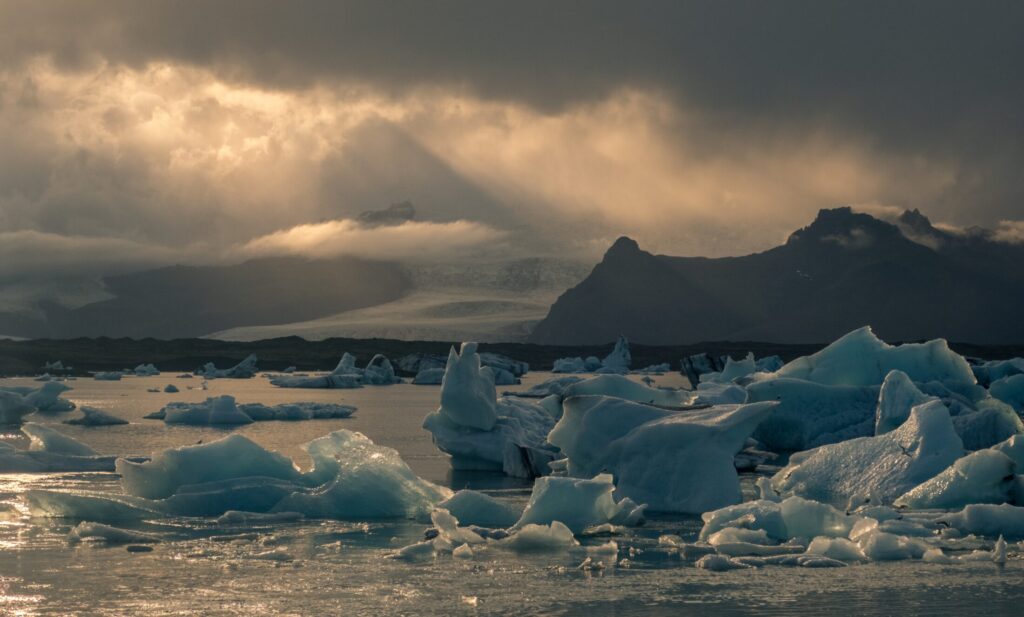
<point x="914" y="220"/>
<point x="844" y="227"/>
<point x="623" y="246"/>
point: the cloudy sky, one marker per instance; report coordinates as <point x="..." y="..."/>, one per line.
<point x="144" y="133"/>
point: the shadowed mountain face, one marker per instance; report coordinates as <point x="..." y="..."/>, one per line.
<point x="185" y="301"/>
<point x="907" y="279"/>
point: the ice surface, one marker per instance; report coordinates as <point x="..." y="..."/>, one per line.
<point x="985" y="476"/>
<point x="674" y="461"/>
<point x="1010" y="390"/>
<point x="860" y="358"/>
<point x="881" y="468"/>
<point x="95" y="417"/>
<point x="577" y="503"/>
<point x="476" y="508"/>
<point x="243" y="370"/>
<point x="480" y="431"/>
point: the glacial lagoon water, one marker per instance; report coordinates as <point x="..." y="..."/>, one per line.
<point x="342" y="568"/>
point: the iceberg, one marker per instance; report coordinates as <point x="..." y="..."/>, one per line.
<point x="352" y="478"/>
<point x="733" y="370"/>
<point x="578" y="504"/>
<point x="98" y="532"/>
<point x="224" y="411"/>
<point x="480" y="431"/>
<point x="880" y="468"/>
<point x="378" y="372"/>
<point x="860" y="358"/>
<point x="985" y="476"/>
<point x="108" y="376"/>
<point x="13" y="407"/>
<point x="671" y="460"/>
<point x="569" y="365"/>
<point x="243" y="370"/>
<point x="171" y="388"/>
<point x="619" y="359"/>
<point x="95" y="417"/>
<point x="476" y="508"/>
<point x="1010" y="390"/>
<point x="536" y="538"/>
<point x="432" y="376"/>
<point x="146" y="370"/>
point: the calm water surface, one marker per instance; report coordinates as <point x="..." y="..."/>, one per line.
<point x="341" y="568"/>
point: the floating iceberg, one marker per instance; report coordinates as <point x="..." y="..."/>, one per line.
<point x="98" y="532"/>
<point x="733" y="370"/>
<point x="476" y="508"/>
<point x="674" y="461"/>
<point x="479" y="430"/>
<point x="13" y="407"/>
<point x="243" y="370"/>
<point x="429" y="377"/>
<point x="352" y="478"/>
<point x="223" y="411"/>
<point x="619" y="359"/>
<point x="171" y="388"/>
<point x="861" y="359"/>
<point x="378" y="372"/>
<point x="880" y="468"/>
<point x="146" y="370"/>
<point x="43" y="398"/>
<point x="108" y="376"/>
<point x="95" y="417"/>
<point x="989" y="520"/>
<point x="578" y="503"/>
<point x="988" y="372"/>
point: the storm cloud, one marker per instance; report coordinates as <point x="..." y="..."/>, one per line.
<point x="698" y="127"/>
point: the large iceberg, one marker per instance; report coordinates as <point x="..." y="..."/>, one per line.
<point x="878" y="469"/>
<point x="351" y="478"/>
<point x="672" y="460"/>
<point x="243" y="370"/>
<point x="479" y="430"/>
<point x="13" y="407"/>
<point x="1010" y="390"/>
<point x="895" y="400"/>
<point x="862" y="359"/>
<point x="146" y="370"/>
<point x="224" y="411"/>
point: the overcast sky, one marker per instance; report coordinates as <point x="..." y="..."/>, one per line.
<point x="142" y="133"/>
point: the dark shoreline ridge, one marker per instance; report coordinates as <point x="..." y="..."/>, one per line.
<point x="27" y="357"/>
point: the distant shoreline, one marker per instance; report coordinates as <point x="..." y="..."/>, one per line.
<point x="27" y="357"/>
